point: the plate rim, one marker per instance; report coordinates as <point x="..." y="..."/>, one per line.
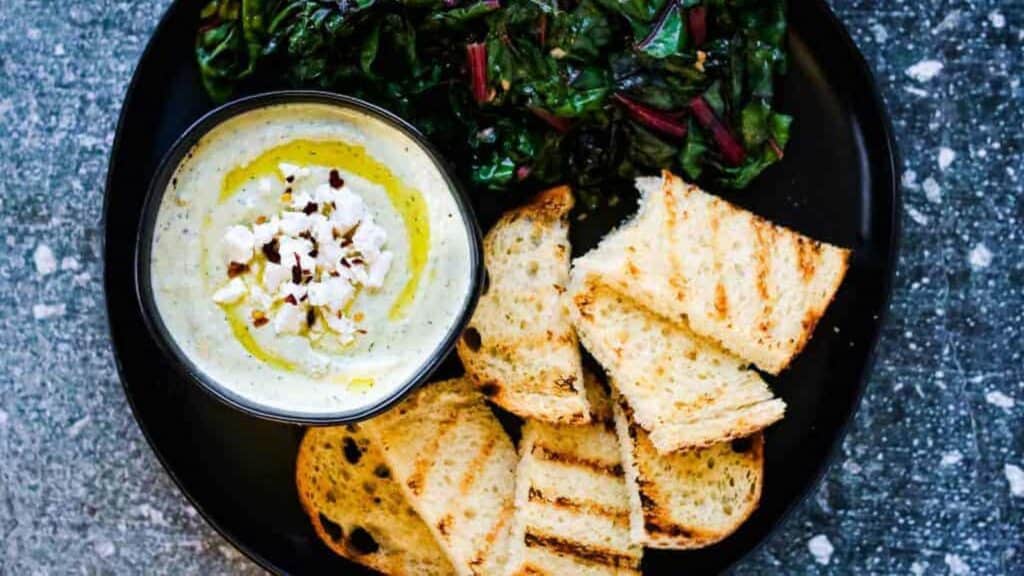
<point x="894" y="165"/>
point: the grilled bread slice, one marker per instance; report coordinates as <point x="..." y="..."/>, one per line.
<point x="519" y="346"/>
<point x="572" y="508"/>
<point x="356" y="507"/>
<point x="456" y="466"/>
<point x="685" y="390"/>
<point x="756" y="288"/>
<point x="688" y="499"/>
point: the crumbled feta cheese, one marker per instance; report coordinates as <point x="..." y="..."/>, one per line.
<point x="337" y="246"/>
<point x="297" y="291"/>
<point x="274" y="275"/>
<point x="238" y="244"/>
<point x="293" y="171"/>
<point x="349" y="210"/>
<point x="289" y="319"/>
<point x="329" y="256"/>
<point x="342" y="326"/>
<point x="265" y="233"/>
<point x="369" y="239"/>
<point x="290" y="248"/>
<point x="322" y="229"/>
<point x="379" y="270"/>
<point x="300" y="200"/>
<point x="232" y="292"/>
<point x="332" y="293"/>
<point x="324" y="194"/>
<point x="295" y="223"/>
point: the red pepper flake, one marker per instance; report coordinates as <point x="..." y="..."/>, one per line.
<point x="361" y="331"/>
<point x="290" y="179"/>
<point x="237" y="269"/>
<point x="310" y="317"/>
<point x="261" y="219"/>
<point x="270" y="250"/>
<point x="297" y="271"/>
<point x="313" y="253"/>
<point x="310" y="208"/>
<point x="336" y="180"/>
<point x="357" y="261"/>
<point x="291" y="300"/>
<point x="345" y="263"/>
<point x="259" y="319"/>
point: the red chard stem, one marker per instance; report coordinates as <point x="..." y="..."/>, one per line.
<point x="730" y="148"/>
<point x="656" y="120"/>
<point x="476" y="61"/>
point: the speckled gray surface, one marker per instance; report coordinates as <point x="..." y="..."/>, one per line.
<point x="929" y="480"/>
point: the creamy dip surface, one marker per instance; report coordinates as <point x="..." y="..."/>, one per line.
<point x="309" y="258"/>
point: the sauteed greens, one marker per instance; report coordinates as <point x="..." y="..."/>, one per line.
<point x="522" y="93"/>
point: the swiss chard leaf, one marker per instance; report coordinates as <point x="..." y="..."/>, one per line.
<point x="581" y="34"/>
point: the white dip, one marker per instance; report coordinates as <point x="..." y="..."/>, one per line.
<point x="303" y="290"/>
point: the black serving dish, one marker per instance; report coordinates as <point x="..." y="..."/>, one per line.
<point x="839" y="183"/>
<point x="185" y="367"/>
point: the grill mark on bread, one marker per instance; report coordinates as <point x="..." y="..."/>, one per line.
<point x="583" y="552"/>
<point x="619" y="516"/>
<point x="762" y="265"/>
<point x="549" y="454"/>
<point x="721" y="300"/>
<point x="808" y="255"/>
<point x="476" y="465"/>
<point x="426" y="459"/>
<point x="489" y="540"/>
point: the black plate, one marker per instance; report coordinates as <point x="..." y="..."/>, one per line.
<point x="838" y="182"/>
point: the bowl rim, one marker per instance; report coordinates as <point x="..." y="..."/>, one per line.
<point x="158" y="185"/>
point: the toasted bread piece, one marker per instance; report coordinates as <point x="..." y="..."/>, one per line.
<point x="756" y="288"/>
<point x="356" y="507"/>
<point x="685" y="390"/>
<point x="688" y="499"/>
<point x="519" y="346"/>
<point x="456" y="466"/>
<point x="572" y="508"/>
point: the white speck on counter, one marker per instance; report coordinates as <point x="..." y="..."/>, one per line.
<point x="997" y="398"/>
<point x="79" y="425"/>
<point x="821" y="549"/>
<point x="932" y="191"/>
<point x="3" y="418"/>
<point x="997" y="19"/>
<point x="924" y="70"/>
<point x="951" y="458"/>
<point x="909" y="180"/>
<point x="946" y="157"/>
<point x="980" y="257"/>
<point x="104" y="548"/>
<point x="918" y="569"/>
<point x="69" y="263"/>
<point x="952" y="20"/>
<point x="956" y="564"/>
<point x="151" y="514"/>
<point x="1015" y="476"/>
<point x="44" y="260"/>
<point x="44" y="311"/>
<point x="880" y="33"/>
<point x="917" y="216"/>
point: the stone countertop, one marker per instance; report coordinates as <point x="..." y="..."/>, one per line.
<point x="929" y="481"/>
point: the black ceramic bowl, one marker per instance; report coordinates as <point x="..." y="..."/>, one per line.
<point x="159" y="184"/>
